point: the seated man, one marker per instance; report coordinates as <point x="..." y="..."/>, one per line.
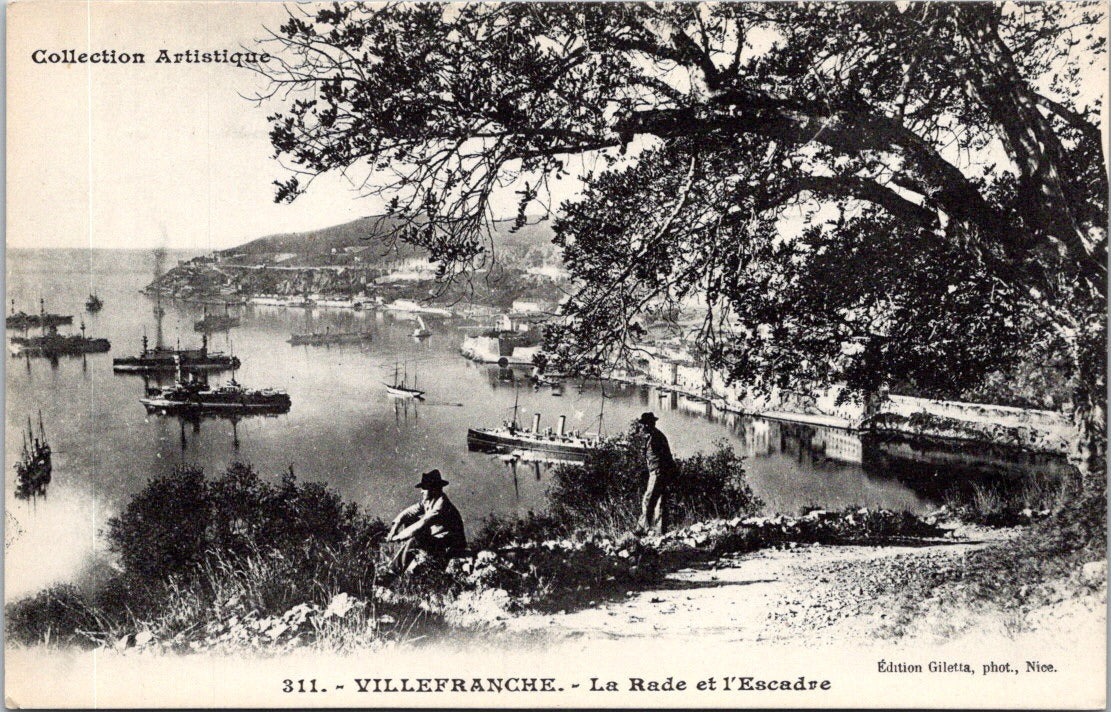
<point x="432" y="526"/>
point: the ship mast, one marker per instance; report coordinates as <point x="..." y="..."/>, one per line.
<point x="158" y="315"/>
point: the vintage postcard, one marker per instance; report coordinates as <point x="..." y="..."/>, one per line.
<point x="521" y="354"/>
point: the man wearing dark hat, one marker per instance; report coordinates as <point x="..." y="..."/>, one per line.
<point x="433" y="525"/>
<point x="661" y="471"/>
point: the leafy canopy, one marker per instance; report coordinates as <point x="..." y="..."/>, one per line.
<point x="860" y="191"/>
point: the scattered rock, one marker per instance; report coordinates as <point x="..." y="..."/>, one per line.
<point x="1094" y="573"/>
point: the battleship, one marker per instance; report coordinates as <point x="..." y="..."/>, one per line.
<point x="33" y="469"/>
<point x="162" y="359"/>
<point x="193" y="396"/>
<point x="23" y="321"/>
<point x="326" y="337"/>
<point x="216" y="322"/>
<point x="54" y="344"/>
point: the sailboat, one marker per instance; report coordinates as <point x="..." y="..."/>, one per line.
<point x="34" y="466"/>
<point x="422" y="331"/>
<point x="94" y="303"/>
<point x="400" y="389"/>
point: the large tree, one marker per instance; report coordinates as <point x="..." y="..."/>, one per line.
<point x="869" y="192"/>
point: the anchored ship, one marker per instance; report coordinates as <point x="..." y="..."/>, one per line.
<point x="557" y="444"/>
<point x="32" y="471"/>
<point x="323" y="338"/>
<point x="192" y="396"/>
<point x="24" y="321"/>
<point x="216" y="322"/>
<point x="54" y="344"/>
<point x="400" y="389"/>
<point x="162" y="359"/>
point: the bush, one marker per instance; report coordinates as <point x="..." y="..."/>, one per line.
<point x="497" y="532"/>
<point x="186" y="544"/>
<point x="57" y="614"/>
<point x="182" y="520"/>
<point x="605" y="492"/>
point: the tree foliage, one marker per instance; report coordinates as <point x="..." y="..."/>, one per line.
<point x="869" y="192"/>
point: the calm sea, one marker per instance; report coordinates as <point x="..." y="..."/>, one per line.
<point x="344" y="430"/>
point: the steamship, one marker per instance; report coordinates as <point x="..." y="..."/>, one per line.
<point x="557" y="444"/>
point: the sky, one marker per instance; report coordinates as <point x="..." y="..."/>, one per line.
<point x="157" y="155"/>
<point x="151" y="155"/>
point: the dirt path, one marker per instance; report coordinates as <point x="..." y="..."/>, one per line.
<point x="812" y="592"/>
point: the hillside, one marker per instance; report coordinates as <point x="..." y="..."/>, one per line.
<point x="531" y="246"/>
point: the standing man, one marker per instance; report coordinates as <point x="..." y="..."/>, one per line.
<point x="661" y="471"/>
<point x="433" y="525"/>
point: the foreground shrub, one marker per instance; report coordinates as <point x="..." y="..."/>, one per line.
<point x="179" y="521"/>
<point x="185" y="544"/>
<point x="605" y="492"/>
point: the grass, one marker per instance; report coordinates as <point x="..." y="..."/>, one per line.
<point x="1000" y="505"/>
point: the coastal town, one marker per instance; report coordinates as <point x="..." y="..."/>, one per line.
<point x="504" y="324"/>
<point x="659" y="354"/>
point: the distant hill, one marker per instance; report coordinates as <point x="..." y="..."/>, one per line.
<point x="529" y="246"/>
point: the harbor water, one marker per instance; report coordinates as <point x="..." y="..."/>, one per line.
<point x="344" y="430"/>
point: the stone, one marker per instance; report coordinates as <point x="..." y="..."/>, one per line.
<point x="1094" y="573"/>
<point x="125" y="642"/>
<point x="339" y="606"/>
<point x="144" y="637"/>
<point x="277" y="630"/>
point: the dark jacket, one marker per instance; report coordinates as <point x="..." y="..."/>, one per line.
<point x="440" y="521"/>
<point x="657" y="454"/>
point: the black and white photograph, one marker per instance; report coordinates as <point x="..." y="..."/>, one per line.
<point x="556" y="354"/>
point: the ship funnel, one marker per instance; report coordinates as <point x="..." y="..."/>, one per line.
<point x="536" y="423"/>
<point x="562" y="424"/>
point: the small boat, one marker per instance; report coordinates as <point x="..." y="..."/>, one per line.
<point x="192" y="396"/>
<point x="33" y="469"/>
<point x="94" y="303"/>
<point x="422" y="331"/>
<point x="399" y="389"/>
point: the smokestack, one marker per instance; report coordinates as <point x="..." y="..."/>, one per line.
<point x="536" y="423"/>
<point x="562" y="423"/>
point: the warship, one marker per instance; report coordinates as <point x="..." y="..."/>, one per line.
<point x="163" y="359"/>
<point x="216" y="322"/>
<point x="323" y="338"/>
<point x="52" y="344"/>
<point x="510" y="437"/>
<point x="23" y="321"/>
<point x="192" y="396"/>
<point x="557" y="444"/>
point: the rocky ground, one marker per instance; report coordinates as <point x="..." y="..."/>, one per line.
<point x="815" y="595"/>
